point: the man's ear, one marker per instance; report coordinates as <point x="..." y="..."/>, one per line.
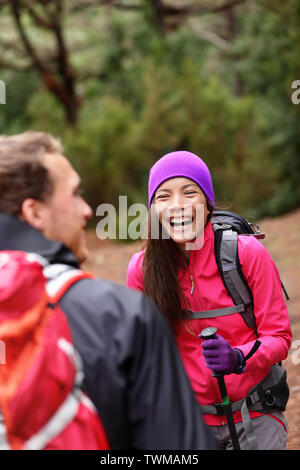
<point x="33" y="212"/>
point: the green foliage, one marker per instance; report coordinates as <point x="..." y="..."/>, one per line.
<point x="20" y="89"/>
<point x="151" y="94"/>
<point x="268" y="65"/>
<point x="44" y="112"/>
<point x="100" y="149"/>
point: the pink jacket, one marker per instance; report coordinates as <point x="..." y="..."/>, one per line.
<point x="209" y="293"/>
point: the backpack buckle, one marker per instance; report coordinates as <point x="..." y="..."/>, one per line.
<point x="219" y="409"/>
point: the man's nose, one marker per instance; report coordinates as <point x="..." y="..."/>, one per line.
<point x="87" y="210"/>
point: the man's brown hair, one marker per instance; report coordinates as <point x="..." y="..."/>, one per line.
<point x="22" y="172"/>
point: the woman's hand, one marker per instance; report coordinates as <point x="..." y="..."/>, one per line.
<point x="220" y="356"/>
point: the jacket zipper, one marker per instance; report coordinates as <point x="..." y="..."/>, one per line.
<point x="192" y="281"/>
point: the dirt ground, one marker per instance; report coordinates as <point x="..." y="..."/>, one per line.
<point x="109" y="260"/>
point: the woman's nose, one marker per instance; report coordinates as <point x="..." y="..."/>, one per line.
<point x="176" y="202"/>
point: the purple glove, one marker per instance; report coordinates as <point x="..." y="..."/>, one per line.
<point x="220" y="356"/>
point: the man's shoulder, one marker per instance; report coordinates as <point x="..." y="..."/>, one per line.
<point x="106" y="318"/>
<point x="99" y="299"/>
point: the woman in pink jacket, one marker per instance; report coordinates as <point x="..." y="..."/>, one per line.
<point x="178" y="270"/>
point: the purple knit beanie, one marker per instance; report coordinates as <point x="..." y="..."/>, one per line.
<point x="184" y="164"/>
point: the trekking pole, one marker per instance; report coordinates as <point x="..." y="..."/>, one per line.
<point x="209" y="333"/>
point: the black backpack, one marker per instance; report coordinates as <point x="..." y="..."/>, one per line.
<point x="227" y="226"/>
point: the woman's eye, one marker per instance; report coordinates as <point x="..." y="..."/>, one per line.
<point x="190" y="192"/>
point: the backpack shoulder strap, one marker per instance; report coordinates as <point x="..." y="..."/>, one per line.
<point x="227" y="259"/>
<point x="59" y="277"/>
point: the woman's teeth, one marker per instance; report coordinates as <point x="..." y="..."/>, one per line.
<point x="181" y="223"/>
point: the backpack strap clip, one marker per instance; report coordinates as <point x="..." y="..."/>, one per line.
<point x="60" y="277"/>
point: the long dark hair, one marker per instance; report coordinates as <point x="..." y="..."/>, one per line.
<point x="161" y="261"/>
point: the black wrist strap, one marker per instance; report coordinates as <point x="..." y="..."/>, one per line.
<point x="253" y="350"/>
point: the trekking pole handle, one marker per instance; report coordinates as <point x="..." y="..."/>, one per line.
<point x="208" y="333"/>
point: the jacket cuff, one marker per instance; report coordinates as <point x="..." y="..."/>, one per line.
<point x="241" y="364"/>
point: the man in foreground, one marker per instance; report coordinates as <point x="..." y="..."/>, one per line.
<point x="133" y="373"/>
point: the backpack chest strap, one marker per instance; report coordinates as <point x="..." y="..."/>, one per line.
<point x="219" y="312"/>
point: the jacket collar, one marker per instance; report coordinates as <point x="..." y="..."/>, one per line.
<point x="18" y="235"/>
<point x="202" y="249"/>
<point x="205" y="247"/>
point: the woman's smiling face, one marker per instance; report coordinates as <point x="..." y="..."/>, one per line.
<point x="181" y="208"/>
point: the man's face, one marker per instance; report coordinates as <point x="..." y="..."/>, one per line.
<point x="65" y="212"/>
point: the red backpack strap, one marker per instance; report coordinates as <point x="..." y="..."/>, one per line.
<point x="60" y="277"/>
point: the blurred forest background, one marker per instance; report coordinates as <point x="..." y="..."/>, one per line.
<point x="122" y="82"/>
